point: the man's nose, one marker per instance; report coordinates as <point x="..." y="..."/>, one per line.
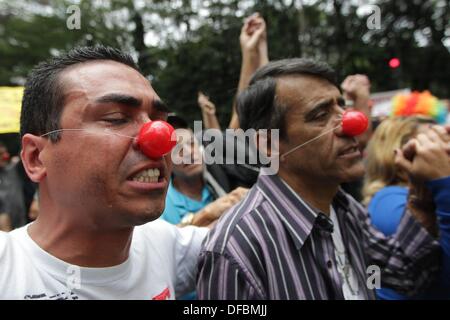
<point x="155" y="139"/>
<point x="140" y="123"/>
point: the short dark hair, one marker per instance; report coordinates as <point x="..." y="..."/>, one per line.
<point x="177" y="122"/>
<point x="43" y="96"/>
<point x="257" y="106"/>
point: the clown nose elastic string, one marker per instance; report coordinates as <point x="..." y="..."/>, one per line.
<point x="155" y="138"/>
<point x="353" y="124"/>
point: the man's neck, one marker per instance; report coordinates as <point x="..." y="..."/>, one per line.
<point x="191" y="187"/>
<point x="316" y="193"/>
<point x="81" y="245"/>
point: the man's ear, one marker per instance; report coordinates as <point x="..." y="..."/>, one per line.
<point x="268" y="142"/>
<point x="32" y="146"/>
<point x="263" y="142"/>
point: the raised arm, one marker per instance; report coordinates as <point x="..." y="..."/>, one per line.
<point x="410" y="259"/>
<point x="253" y="41"/>
<point x="208" y="112"/>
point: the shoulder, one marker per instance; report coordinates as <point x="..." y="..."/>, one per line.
<point x="8" y="240"/>
<point x="237" y="226"/>
<point x="390" y="193"/>
<point x="162" y="234"/>
<point x="388" y="202"/>
<point x="13" y="259"/>
<point x="158" y="230"/>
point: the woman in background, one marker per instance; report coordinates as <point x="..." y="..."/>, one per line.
<point x="386" y="188"/>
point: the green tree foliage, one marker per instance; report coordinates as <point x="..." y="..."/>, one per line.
<point x="184" y="46"/>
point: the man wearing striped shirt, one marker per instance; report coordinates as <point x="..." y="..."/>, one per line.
<point x="297" y="235"/>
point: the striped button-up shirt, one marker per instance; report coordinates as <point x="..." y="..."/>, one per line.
<point x="273" y="245"/>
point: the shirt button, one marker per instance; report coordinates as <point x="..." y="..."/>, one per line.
<point x="329" y="264"/>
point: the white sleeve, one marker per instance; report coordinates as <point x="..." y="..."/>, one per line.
<point x="187" y="249"/>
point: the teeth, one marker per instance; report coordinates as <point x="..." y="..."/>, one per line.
<point x="148" y="176"/>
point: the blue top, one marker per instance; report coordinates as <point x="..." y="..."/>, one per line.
<point x="178" y="204"/>
<point x="386" y="209"/>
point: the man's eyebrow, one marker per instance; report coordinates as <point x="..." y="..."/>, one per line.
<point x="160" y="105"/>
<point x="325" y="104"/>
<point x="120" y="99"/>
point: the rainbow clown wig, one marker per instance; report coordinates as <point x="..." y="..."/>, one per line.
<point x="419" y="103"/>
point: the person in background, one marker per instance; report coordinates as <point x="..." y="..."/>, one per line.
<point x="5" y="220"/>
<point x="356" y="91"/>
<point x="208" y="112"/>
<point x="33" y="213"/>
<point x="254" y="49"/>
<point x="386" y="189"/>
<point x="11" y="190"/>
<point x="194" y="196"/>
<point x="255" y="54"/>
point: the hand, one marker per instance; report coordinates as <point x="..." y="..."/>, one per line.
<point x="205" y="104"/>
<point x="356" y="86"/>
<point x="253" y="39"/>
<point x="215" y="209"/>
<point x="426" y="157"/>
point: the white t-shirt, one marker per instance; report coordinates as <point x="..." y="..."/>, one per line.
<point x="162" y="262"/>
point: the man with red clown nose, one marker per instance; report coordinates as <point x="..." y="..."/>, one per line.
<point x="95" y="140"/>
<point x="297" y="234"/>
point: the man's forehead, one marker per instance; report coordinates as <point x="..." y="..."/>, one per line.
<point x="94" y="78"/>
<point x="304" y="89"/>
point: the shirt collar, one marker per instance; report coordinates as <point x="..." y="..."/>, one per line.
<point x="298" y="217"/>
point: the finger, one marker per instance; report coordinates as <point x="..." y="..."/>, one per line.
<point x="401" y="162"/>
<point x="348" y="82"/>
<point x="409" y="149"/>
<point x="433" y="136"/>
<point x="447" y="128"/>
<point x="441" y="132"/>
<point x="423" y="140"/>
<point x="362" y="78"/>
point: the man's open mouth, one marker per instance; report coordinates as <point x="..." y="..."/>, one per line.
<point x="147" y="176"/>
<point x="349" y="151"/>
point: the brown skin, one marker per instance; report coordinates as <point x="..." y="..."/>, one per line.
<point x="188" y="179"/>
<point x="188" y="175"/>
<point x="316" y="170"/>
<point x="209" y="215"/>
<point x="255" y="54"/>
<point x="424" y="158"/>
<point x="88" y="207"/>
<point x="5" y="222"/>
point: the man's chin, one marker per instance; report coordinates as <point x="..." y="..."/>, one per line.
<point x="353" y="175"/>
<point x="145" y="218"/>
<point x="144" y="215"/>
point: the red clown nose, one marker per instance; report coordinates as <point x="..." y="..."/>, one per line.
<point x="155" y="139"/>
<point x="354" y="123"/>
